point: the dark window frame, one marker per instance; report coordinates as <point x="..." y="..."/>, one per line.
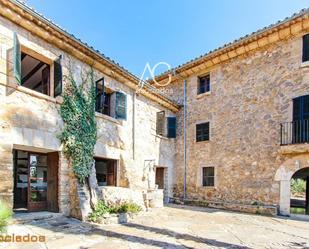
<point x="171" y="127"/>
<point x="103" y="99"/>
<point x="202" y="131"/>
<point x="203" y="85"/>
<point x="112" y="171"/>
<point x="208" y="178"/>
<point x="305" y="54"/>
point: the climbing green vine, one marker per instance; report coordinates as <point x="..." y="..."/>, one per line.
<point x="79" y="134"/>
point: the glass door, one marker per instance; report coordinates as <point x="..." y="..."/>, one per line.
<point x="37" y="189"/>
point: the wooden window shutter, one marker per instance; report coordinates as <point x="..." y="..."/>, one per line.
<point x="121" y="106"/>
<point x="171" y="127"/>
<point x="100" y="89"/>
<point x="306" y="48"/>
<point x="111" y="173"/>
<point x="17" y="60"/>
<point x="57" y="77"/>
<point x="160" y="123"/>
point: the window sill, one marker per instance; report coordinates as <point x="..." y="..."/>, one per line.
<point x="161" y="137"/>
<point x="57" y="100"/>
<point x="202" y="95"/>
<point x="304" y="64"/>
<point x="209" y="187"/>
<point x="106" y="117"/>
<point x="202" y="142"/>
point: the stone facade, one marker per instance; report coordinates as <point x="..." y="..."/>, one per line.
<point x="250" y="96"/>
<point x="252" y="88"/>
<point x="31" y="121"/>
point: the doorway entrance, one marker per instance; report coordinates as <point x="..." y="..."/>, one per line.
<point x="35" y="181"/>
<point x="300" y="192"/>
<point x="160" y="177"/>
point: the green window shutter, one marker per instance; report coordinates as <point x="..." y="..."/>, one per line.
<point x="121" y="106"/>
<point x="171" y="127"/>
<point x="17" y="60"/>
<point x="57" y="77"/>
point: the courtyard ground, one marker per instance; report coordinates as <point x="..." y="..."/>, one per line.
<point x="173" y="226"/>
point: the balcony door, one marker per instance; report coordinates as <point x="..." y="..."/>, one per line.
<point x="301" y="119"/>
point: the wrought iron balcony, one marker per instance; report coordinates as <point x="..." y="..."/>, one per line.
<point x="296" y="132"/>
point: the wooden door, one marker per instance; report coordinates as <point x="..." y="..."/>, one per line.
<point x="52" y="181"/>
<point x="37" y="182"/>
<point x="160" y="178"/>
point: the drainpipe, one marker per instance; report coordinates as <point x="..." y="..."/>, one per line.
<point x="185" y="139"/>
<point x="133" y="126"/>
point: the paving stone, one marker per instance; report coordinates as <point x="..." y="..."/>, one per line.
<point x="170" y="227"/>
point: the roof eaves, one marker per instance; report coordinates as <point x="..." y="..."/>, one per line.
<point x="235" y="42"/>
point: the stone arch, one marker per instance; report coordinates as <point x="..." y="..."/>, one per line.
<point x="301" y="200"/>
<point x="284" y="175"/>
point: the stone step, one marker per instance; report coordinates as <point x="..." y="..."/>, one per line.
<point x="21" y="218"/>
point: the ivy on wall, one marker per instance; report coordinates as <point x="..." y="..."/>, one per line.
<point x="79" y="134"/>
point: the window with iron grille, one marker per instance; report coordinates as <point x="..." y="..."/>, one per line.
<point x="208" y="176"/>
<point x="202" y="132"/>
<point x="203" y="84"/>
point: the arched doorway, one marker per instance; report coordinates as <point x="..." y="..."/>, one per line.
<point x="299" y="201"/>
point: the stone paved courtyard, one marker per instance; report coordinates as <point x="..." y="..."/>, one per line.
<point x="171" y="227"/>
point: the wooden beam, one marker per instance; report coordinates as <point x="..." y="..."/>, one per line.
<point x="23" y="55"/>
<point x="32" y="72"/>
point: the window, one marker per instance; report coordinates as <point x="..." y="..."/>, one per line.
<point x="202" y="132"/>
<point x="171" y="127"/>
<point x="103" y="98"/>
<point x="306" y="48"/>
<point x="160" y="123"/>
<point x="203" y="84"/>
<point x="34" y="73"/>
<point x="300" y="122"/>
<point x="208" y="176"/>
<point x="106" y="172"/>
<point x="121" y="106"/>
<point x="110" y="103"/>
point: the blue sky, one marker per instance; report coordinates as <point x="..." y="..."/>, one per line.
<point x="174" y="31"/>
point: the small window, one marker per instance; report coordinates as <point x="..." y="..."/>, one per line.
<point x="203" y="84"/>
<point x="208" y="176"/>
<point x="106" y="172"/>
<point x="202" y="132"/>
<point x="306" y="48"/>
<point x="171" y="127"/>
<point x="160" y="123"/>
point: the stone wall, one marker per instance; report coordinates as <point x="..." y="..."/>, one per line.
<point x="31" y="121"/>
<point x="250" y="96"/>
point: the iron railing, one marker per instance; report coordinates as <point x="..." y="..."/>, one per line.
<point x="295" y="132"/>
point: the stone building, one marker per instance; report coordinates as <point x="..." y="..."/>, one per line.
<point x="244" y="109"/>
<point x="35" y="56"/>
<point x="247" y="107"/>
